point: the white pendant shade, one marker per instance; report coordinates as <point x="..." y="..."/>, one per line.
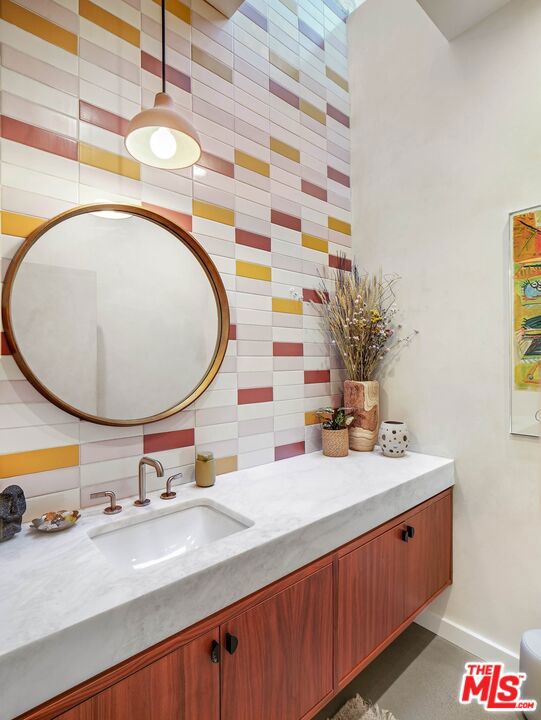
<point x="160" y="137"/>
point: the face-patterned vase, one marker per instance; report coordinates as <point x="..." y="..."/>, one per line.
<point x="363" y="400"/>
<point x="393" y="438"/>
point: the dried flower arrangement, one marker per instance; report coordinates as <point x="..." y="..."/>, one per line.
<point x="359" y="318"/>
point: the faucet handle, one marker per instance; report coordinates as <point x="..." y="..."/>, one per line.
<point x="169" y="494"/>
<point x="112" y="508"/>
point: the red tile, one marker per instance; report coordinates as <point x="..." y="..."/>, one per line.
<point x="285" y="220"/>
<point x="4" y="347"/>
<point x="254" y="395"/>
<point x="339" y="262"/>
<point x="102" y="118"/>
<point x="313" y="190"/>
<point x="317" y="376"/>
<point x="154" y="66"/>
<point x="286" y="451"/>
<point x="337" y="176"/>
<point x="255" y="16"/>
<point x="218" y="164"/>
<point x="168" y="440"/>
<point x="244" y="237"/>
<point x="232" y="332"/>
<point x="35" y="137"/>
<point x="181" y="219"/>
<point x="289" y="349"/>
<point x="311" y="34"/>
<point x="337" y="115"/>
<point x="309" y="295"/>
<point x="286" y="95"/>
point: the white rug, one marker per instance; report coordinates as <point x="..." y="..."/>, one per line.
<point x="358" y="709"/>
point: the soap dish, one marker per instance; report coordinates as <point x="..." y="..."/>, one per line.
<point x="55" y="521"/>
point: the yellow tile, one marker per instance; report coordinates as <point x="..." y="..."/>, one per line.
<point x="106" y="160"/>
<point x="339" y="225"/>
<point x="254" y="271"/>
<point x="284" y="66"/>
<point x="175" y="7"/>
<point x="213" y="212"/>
<point x="287" y="305"/>
<point x="37" y="25"/>
<point x="110" y="22"/>
<point x="310" y="418"/>
<point x="314" y="112"/>
<point x="315" y="243"/>
<point x="336" y="78"/>
<point x="19" y="225"/>
<point x="284" y="149"/>
<point x="226" y="464"/>
<point x="252" y="163"/>
<point x="210" y="63"/>
<point x="38" y="461"/>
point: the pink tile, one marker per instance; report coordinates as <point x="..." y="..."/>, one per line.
<point x="286" y="451"/>
<point x="337" y="115"/>
<point x="254" y="395"/>
<point x="317" y="376"/>
<point x="337" y="176"/>
<point x="169" y="440"/>
<point x="174" y="76"/>
<point x="35" y="137"/>
<point x="284" y="94"/>
<point x="287" y="349"/>
<point x="102" y="118"/>
<point x="111" y="449"/>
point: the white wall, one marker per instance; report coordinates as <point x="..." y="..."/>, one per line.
<point x="446" y="141"/>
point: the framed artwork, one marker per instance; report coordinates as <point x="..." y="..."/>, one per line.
<point x="525" y="272"/>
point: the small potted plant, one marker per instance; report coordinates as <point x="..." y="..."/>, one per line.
<point x="334" y="433"/>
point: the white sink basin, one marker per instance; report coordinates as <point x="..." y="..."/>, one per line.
<point x="159" y="538"/>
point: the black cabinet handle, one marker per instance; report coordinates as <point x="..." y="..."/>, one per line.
<point x="410" y="530"/>
<point x="405" y="536"/>
<point x="231" y="643"/>
<point x="215" y="652"/>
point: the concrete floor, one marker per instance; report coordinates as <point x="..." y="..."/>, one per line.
<point x="417" y="677"/>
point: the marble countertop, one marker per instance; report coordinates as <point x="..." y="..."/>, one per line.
<point x="67" y="613"/>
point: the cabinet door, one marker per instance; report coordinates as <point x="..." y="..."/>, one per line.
<point x="183" y="685"/>
<point x="428" y="553"/>
<point x="370" y="598"/>
<point x="282" y="666"/>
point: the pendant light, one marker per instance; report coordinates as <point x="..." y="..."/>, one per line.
<point x="160" y="137"/>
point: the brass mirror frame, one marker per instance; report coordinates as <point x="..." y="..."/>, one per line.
<point x="184" y="237"/>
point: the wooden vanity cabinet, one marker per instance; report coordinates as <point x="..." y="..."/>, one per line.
<point x="182" y="685"/>
<point x="282" y="665"/>
<point x="385" y="581"/>
<point x="284" y="651"/>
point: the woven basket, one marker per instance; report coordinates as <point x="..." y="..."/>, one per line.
<point x="335" y="442"/>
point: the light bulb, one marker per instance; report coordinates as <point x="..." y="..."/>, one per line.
<point x="163" y="143"/>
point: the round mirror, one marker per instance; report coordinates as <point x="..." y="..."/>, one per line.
<point x="115" y="314"/>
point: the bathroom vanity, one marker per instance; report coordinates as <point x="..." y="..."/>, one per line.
<point x="269" y="622"/>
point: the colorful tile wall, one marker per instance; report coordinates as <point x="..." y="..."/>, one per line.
<point x="269" y="201"/>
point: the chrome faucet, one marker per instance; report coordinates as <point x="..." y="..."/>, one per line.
<point x="142" y="500"/>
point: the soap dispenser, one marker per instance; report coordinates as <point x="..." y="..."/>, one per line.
<point x="205" y="469"/>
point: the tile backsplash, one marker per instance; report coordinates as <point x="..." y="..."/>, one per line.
<point x="269" y="201"/>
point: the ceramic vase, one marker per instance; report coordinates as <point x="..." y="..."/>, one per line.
<point x="362" y="398"/>
<point x="393" y="438"/>
<point x="335" y="443"/>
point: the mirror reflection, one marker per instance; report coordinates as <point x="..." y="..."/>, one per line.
<point x="116" y="316"/>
